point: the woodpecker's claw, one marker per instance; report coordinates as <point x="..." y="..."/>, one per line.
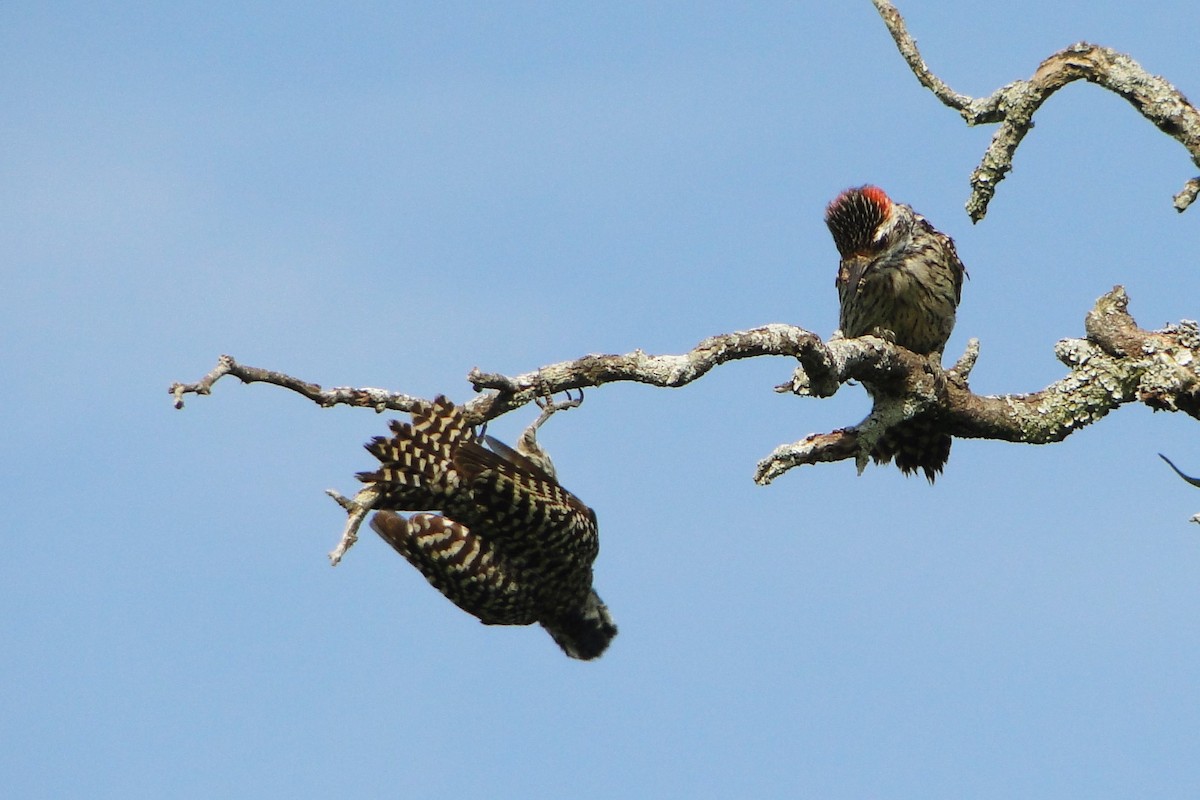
<point x="527" y="444"/>
<point x="546" y="401"/>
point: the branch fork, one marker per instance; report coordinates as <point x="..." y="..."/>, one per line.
<point x="1012" y="106"/>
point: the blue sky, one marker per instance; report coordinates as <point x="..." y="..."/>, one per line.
<point x="390" y="194"/>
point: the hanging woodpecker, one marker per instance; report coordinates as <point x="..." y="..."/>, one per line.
<point x="899" y="278"/>
<point x="510" y="545"/>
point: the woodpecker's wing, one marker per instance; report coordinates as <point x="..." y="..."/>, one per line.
<point x="511" y="547"/>
<point x="956" y="265"/>
<point x="531" y="512"/>
<point x="525" y="483"/>
<point x="466" y="568"/>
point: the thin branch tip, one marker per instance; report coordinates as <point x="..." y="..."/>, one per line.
<point x="1187" y="195"/>
<point x="356" y="509"/>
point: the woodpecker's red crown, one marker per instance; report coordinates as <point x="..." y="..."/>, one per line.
<point x="854" y="216"/>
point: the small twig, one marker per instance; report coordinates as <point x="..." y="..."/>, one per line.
<point x="1013" y="105"/>
<point x="966" y="362"/>
<point x="907" y="46"/>
<point x="204" y="385"/>
<point x="1187" y="195"/>
<point x="356" y="509"/>
<point x="813" y="449"/>
<point x="377" y="399"/>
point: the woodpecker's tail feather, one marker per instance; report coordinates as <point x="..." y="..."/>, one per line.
<point x="416" y="469"/>
<point x="915" y="444"/>
<point x="584" y="632"/>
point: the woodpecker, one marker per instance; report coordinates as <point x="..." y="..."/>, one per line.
<point x="509" y="545"/>
<point x="901" y="279"/>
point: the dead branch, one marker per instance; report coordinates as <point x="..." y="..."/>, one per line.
<point x="670" y="371"/>
<point x="594" y="370"/>
<point x="1116" y="363"/>
<point x="1014" y="105"/>
<point x="377" y="399"/>
<point x="356" y="509"/>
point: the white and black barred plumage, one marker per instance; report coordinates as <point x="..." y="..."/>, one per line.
<point x="509" y="545"/>
<point x="899" y="278"/>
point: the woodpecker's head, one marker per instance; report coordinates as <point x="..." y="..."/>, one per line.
<point x="864" y="221"/>
<point x="584" y="633"/>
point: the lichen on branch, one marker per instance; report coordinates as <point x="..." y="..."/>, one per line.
<point x="1116" y="363"/>
<point x="1013" y="105"/>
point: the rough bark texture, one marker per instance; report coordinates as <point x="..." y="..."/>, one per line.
<point x="1013" y="106"/>
<point x="1116" y="363"/>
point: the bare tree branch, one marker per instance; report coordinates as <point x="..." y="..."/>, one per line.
<point x="1117" y="363"/>
<point x="670" y="371"/>
<point x="594" y="370"/>
<point x="1014" y="105"/>
<point x="378" y="399"/>
<point x="356" y="509"/>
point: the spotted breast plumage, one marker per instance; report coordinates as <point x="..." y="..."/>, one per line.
<point x="507" y="544"/>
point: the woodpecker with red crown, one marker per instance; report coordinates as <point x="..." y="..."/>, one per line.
<point x="900" y="279"/>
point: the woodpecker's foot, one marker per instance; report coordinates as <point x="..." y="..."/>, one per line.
<point x="527" y="444"/>
<point x="884" y="333"/>
<point x="549" y="408"/>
